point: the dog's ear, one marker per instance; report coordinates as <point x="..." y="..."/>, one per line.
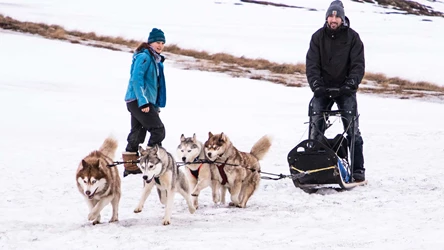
<point x="141" y="150"/>
<point x="210" y="134"/>
<point x="98" y="163"/>
<point x="156" y="148"/>
<point x="223" y="137"/>
<point x="85" y="164"/>
<point x="194" y="138"/>
<point x="82" y="165"/>
<point x="182" y="138"/>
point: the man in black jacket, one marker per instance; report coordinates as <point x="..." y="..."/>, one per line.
<point x="335" y="60"/>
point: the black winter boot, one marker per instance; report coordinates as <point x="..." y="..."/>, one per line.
<point x="358" y="167"/>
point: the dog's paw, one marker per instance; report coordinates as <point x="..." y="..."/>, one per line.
<point x="138" y="210"/>
<point x="192" y="209"/>
<point x="113" y="220"/>
<point x="216" y="199"/>
<point x="195" y="203"/>
<point x="166" y="222"/>
<point x="96" y="220"/>
<point x="232" y="204"/>
<point x="94" y="217"/>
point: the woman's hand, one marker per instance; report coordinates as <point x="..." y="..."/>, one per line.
<point x="146" y="110"/>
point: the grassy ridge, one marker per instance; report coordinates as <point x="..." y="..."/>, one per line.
<point x="238" y="66"/>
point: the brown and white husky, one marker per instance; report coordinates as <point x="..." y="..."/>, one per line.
<point x="98" y="183"/>
<point x="238" y="171"/>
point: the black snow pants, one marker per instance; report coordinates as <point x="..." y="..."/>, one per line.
<point x="141" y="123"/>
<point x="344" y="103"/>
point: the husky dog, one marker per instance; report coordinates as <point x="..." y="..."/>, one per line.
<point x="238" y="171"/>
<point x="159" y="168"/>
<point x="98" y="183"/>
<point x="198" y="171"/>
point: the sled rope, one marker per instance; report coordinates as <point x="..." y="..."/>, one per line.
<point x="313" y="170"/>
<point x="279" y="176"/>
<point x="205" y="161"/>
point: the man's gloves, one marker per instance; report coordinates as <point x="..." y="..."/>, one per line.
<point x="348" y="88"/>
<point x="319" y="89"/>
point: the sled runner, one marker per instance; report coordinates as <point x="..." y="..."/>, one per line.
<point x="324" y="163"/>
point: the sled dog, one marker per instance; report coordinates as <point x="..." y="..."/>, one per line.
<point x="198" y="170"/>
<point x="159" y="168"/>
<point x="238" y="171"/>
<point x="98" y="183"/>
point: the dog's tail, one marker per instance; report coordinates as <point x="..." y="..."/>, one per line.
<point x="109" y="147"/>
<point x="261" y="147"/>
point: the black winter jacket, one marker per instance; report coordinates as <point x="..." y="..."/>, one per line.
<point x="334" y="56"/>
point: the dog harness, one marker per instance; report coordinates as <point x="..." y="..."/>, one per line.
<point x="195" y="173"/>
<point x="156" y="179"/>
<point x="222" y="172"/>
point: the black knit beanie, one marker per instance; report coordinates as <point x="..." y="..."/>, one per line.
<point x="336" y="8"/>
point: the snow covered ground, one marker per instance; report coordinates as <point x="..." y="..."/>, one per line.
<point x="60" y="101"/>
<point x="396" y="45"/>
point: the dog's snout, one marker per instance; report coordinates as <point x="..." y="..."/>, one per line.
<point x="145" y="177"/>
<point x="184" y="158"/>
<point x="88" y="192"/>
<point x="209" y="154"/>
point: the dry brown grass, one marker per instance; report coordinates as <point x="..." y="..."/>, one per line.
<point x="258" y="64"/>
<point x="223" y="62"/>
<point x="377" y="77"/>
<point x="403" y="84"/>
<point x="58" y="32"/>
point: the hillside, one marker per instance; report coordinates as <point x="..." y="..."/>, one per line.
<point x="259" y="69"/>
<point x="391" y="6"/>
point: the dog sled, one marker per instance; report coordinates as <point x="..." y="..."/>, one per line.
<point x="325" y="163"/>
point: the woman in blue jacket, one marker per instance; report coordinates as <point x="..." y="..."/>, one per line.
<point x="146" y="93"/>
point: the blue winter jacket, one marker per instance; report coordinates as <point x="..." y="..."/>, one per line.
<point x="147" y="81"/>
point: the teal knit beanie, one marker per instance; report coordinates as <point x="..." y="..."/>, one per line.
<point x="156" y="35"/>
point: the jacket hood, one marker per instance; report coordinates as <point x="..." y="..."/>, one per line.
<point x="347" y="22"/>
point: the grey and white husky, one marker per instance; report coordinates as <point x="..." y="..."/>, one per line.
<point x="198" y="170"/>
<point x="159" y="168"/>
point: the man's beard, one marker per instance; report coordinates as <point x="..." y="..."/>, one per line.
<point x="333" y="25"/>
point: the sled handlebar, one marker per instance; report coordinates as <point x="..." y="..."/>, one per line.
<point x="331" y="93"/>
